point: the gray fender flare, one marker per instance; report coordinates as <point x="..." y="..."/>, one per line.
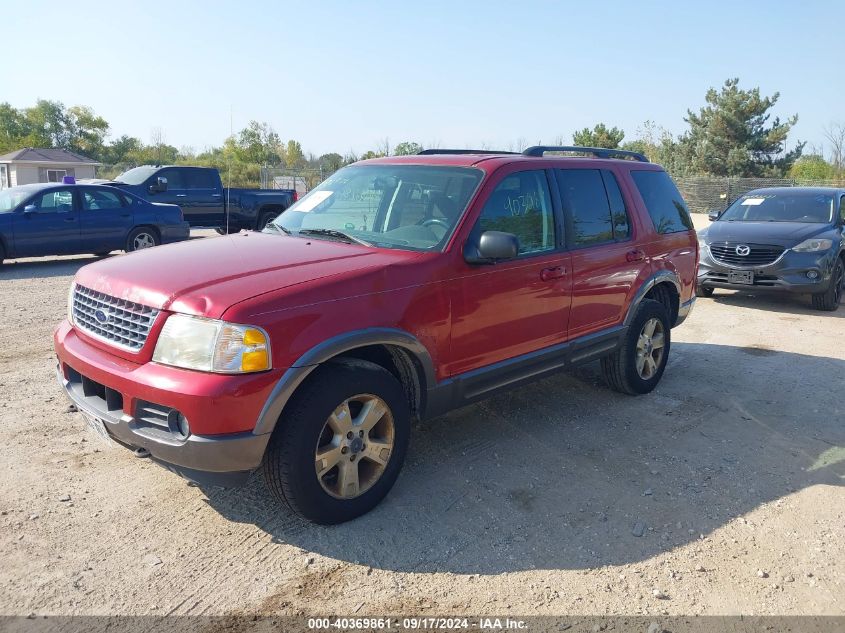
<point x="328" y="349"/>
<point x="658" y="277"/>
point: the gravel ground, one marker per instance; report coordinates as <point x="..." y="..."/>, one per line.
<point x="719" y="493"/>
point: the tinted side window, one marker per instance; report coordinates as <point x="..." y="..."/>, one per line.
<point x="521" y="204"/>
<point x="175" y="179"/>
<point x="584" y="198"/>
<point x="199" y="179"/>
<point x="618" y="212"/>
<point x="663" y="201"/>
<point x="94" y="199"/>
<point x="54" y="201"/>
<point x="842" y="208"/>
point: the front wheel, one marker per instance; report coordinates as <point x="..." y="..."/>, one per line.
<point x="637" y="366"/>
<point x="141" y="238"/>
<point x="828" y="301"/>
<point x="340" y="443"/>
<point x="265" y="219"/>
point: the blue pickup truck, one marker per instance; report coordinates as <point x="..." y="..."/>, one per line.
<point x="204" y="200"/>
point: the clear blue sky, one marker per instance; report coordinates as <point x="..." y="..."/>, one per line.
<point x="344" y="75"/>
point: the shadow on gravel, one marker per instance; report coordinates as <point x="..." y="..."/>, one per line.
<point x="566" y="474"/>
<point x="44" y="268"/>
<point x="770" y="302"/>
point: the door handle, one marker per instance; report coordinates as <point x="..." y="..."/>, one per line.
<point x="70" y="219"/>
<point x="124" y="215"/>
<point x="547" y="274"/>
<point x="217" y="195"/>
<point x="181" y="195"/>
<point x="636" y="255"/>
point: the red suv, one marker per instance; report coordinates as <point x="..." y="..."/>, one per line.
<point x="398" y="289"/>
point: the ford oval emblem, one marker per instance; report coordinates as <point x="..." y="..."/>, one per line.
<point x="101" y="316"/>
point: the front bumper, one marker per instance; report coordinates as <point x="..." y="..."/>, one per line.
<point x="127" y="397"/>
<point x="787" y="274"/>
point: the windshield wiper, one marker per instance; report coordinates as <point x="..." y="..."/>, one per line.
<point x="278" y="227"/>
<point x="336" y="234"/>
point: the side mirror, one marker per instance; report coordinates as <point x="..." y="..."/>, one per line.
<point x="30" y="209"/>
<point x="713" y="215"/>
<point x="492" y="247"/>
<point x="159" y="185"/>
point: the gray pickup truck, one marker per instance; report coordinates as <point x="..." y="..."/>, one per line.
<point x="204" y="201"/>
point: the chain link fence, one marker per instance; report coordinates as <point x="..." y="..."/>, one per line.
<point x="702" y="193"/>
<point x="708" y="193"/>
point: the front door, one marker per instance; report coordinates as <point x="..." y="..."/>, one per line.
<point x="516" y="307"/>
<point x="47" y="224"/>
<point x="106" y="220"/>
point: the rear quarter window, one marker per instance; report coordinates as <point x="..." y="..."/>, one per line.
<point x="663" y="201"/>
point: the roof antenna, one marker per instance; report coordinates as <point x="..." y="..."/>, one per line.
<point x="229" y="170"/>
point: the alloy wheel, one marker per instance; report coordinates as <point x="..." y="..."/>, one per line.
<point x="354" y="447"/>
<point x="650" y="348"/>
<point x="143" y="240"/>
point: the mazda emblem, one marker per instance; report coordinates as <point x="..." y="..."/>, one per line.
<point x="742" y="250"/>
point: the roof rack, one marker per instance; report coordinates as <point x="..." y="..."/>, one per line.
<point x="461" y="151"/>
<point x="598" y="152"/>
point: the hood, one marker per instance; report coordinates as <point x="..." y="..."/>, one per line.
<point x="205" y="277"/>
<point x="785" y="234"/>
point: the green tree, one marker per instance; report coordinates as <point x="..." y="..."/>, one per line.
<point x="733" y="136"/>
<point x="86" y="132"/>
<point x="294" y="157"/>
<point x="812" y="167"/>
<point x="330" y="162"/>
<point x="407" y="148"/>
<point x="599" y="136"/>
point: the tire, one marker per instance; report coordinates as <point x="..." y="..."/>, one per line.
<point x="264" y="219"/>
<point x="309" y="426"/>
<point x="140" y="238"/>
<point x="622" y="369"/>
<point x="704" y="291"/>
<point x="828" y="300"/>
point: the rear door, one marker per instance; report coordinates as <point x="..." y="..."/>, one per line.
<point x="606" y="261"/>
<point x="49" y="225"/>
<point x="515" y="307"/>
<point x="106" y="219"/>
<point x="204" y="198"/>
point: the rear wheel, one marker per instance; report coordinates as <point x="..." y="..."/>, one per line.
<point x="264" y="219"/>
<point x="141" y="238"/>
<point x="703" y="291"/>
<point x="637" y="366"/>
<point x="829" y="300"/>
<point x="340" y="443"/>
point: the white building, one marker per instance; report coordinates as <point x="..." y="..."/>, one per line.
<point x="29" y="165"/>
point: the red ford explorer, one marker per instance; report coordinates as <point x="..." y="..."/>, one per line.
<point x="398" y="289"/>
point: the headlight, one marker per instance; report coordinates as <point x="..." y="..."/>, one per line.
<point x="70" y="302"/>
<point x="813" y="246"/>
<point x="211" y="345"/>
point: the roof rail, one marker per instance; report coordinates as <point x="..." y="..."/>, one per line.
<point x="461" y="151"/>
<point x="598" y="152"/>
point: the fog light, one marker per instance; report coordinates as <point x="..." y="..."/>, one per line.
<point x="178" y="423"/>
<point x="812" y="274"/>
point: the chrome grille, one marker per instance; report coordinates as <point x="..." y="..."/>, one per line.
<point x="758" y="255"/>
<point x="127" y="324"/>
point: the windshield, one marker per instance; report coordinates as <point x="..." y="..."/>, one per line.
<point x="10" y="198"/>
<point x="412" y="207"/>
<point x="136" y="176"/>
<point x="797" y="206"/>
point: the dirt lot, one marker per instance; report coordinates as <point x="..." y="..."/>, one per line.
<point x="527" y="503"/>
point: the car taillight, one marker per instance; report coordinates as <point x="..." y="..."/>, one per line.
<point x="295" y="195"/>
